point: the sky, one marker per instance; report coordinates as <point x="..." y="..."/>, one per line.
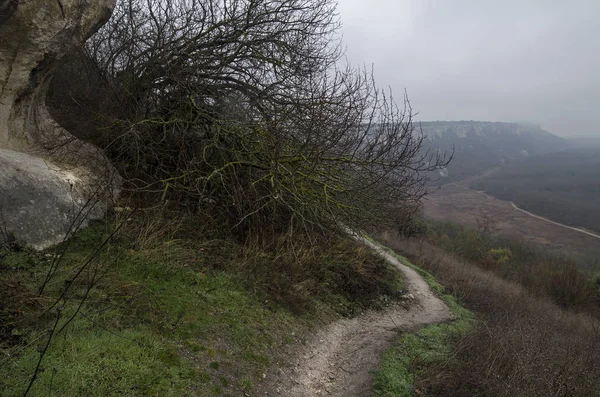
<point x="491" y="60"/>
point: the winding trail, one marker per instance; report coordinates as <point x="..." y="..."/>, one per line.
<point x="338" y="360"/>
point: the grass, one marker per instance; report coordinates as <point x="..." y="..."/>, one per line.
<point x="155" y="325"/>
<point x="154" y="328"/>
<point x="89" y="361"/>
<point x="541" y="272"/>
<point x="523" y="345"/>
<point x="175" y="315"/>
<point x="417" y="351"/>
<point x="412" y="353"/>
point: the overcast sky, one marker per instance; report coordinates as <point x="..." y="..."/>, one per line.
<point x="491" y="60"/>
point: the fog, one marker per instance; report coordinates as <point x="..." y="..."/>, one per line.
<point x="535" y="61"/>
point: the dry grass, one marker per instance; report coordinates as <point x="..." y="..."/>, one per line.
<point x="467" y="207"/>
<point x="525" y="345"/>
<point x="542" y="273"/>
<point x="297" y="270"/>
<point x="303" y="274"/>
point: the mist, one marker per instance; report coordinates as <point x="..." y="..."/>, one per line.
<point x="513" y="61"/>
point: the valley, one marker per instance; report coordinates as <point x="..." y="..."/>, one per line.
<point x="471" y="208"/>
<point x="562" y="186"/>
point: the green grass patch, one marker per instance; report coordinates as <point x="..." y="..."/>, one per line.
<point x="414" y="352"/>
<point x="426" y="348"/>
<point x="154" y="325"/>
<point x="88" y="361"/>
<point x="174" y="317"/>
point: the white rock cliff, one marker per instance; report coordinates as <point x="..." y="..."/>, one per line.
<point x="46" y="175"/>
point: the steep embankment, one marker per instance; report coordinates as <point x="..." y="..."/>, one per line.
<point x="339" y="359"/>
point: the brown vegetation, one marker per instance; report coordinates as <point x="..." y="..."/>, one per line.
<point x="457" y="204"/>
<point x="542" y="273"/>
<point x="524" y="346"/>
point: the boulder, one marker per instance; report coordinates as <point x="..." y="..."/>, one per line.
<point x="40" y="203"/>
<point x="47" y="176"/>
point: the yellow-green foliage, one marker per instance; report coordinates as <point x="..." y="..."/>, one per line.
<point x="501" y="255"/>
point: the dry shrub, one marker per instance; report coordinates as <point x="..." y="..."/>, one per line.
<point x="524" y="346"/>
<point x="563" y="282"/>
<point x="541" y="273"/>
<point x="307" y="271"/>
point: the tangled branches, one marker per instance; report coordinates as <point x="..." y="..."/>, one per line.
<point x="239" y="109"/>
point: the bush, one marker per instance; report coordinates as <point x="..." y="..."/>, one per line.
<point x="500" y="256"/>
<point x="412" y="225"/>
<point x="238" y="112"/>
<point x="524" y="346"/>
<point x="541" y="273"/>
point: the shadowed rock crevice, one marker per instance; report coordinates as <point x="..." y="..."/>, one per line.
<point x="7" y="8"/>
<point x="40" y="161"/>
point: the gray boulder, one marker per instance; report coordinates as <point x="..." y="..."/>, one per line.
<point x="47" y="176"/>
<point x="41" y="203"/>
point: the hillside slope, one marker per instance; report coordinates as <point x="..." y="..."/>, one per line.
<point x="564" y="187"/>
<point x="481" y="145"/>
<point x="159" y="312"/>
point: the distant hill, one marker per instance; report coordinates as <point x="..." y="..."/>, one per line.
<point x="482" y="145"/>
<point x="564" y="187"/>
<point x="586" y="141"/>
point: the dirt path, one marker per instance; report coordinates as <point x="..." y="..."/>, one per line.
<point x="555" y="223"/>
<point x="339" y="359"/>
<point x="529" y="213"/>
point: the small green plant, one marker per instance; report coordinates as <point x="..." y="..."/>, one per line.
<point x="501" y="256"/>
<point x="417" y="351"/>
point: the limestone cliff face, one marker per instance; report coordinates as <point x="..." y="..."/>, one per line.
<point x="479" y="145"/>
<point x="40" y="160"/>
<point x="34" y="36"/>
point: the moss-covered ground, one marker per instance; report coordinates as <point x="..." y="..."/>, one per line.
<point x="169" y="316"/>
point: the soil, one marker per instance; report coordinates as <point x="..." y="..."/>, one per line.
<point x="339" y="359"/>
<point x="457" y="203"/>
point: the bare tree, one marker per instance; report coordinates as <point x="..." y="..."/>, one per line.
<point x="487" y="225"/>
<point x="239" y="107"/>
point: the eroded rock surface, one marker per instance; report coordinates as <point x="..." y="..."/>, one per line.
<point x="41" y="202"/>
<point x="46" y="174"/>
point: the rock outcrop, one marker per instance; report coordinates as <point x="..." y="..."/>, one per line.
<point x="46" y="175"/>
